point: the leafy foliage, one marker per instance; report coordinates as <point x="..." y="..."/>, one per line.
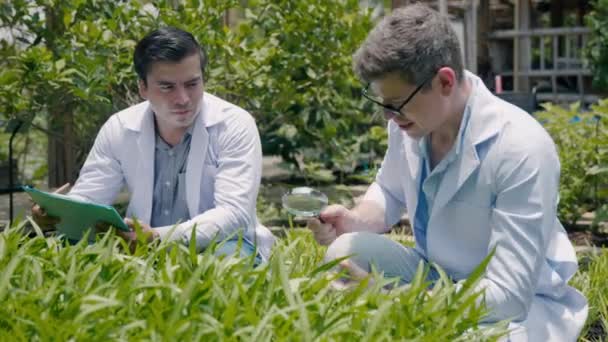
<point x="69" y="60"/>
<point x="287" y="62"/>
<point x="597" y="46"/>
<point x="292" y="69"/>
<point x="582" y="143"/>
<point x="58" y="292"/>
<point x="592" y="280"/>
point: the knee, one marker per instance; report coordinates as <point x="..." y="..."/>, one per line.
<point x="341" y="247"/>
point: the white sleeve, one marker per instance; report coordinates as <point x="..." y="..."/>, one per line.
<point x="101" y="177"/>
<point x="387" y="191"/>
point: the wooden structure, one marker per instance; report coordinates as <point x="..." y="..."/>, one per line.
<point x="533" y="45"/>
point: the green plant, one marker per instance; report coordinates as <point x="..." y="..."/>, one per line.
<point x="582" y="143"/>
<point x="596" y="50"/>
<point x="69" y="64"/>
<point x="290" y="65"/>
<point x="53" y="291"/>
<point x="287" y="62"/>
<point x="592" y="281"/>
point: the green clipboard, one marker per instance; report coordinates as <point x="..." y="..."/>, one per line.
<point x="76" y="216"/>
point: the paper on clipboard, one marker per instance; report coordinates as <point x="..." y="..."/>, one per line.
<point x="76" y="216"/>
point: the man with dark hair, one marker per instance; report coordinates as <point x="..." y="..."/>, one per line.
<point x="476" y="175"/>
<point x="190" y="160"/>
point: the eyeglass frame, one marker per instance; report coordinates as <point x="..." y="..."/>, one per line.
<point x="392" y="109"/>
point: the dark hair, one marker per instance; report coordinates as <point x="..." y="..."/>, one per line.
<point x="415" y="41"/>
<point x="167" y="44"/>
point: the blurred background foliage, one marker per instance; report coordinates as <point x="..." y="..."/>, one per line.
<point x="65" y="67"/>
<point x="581" y="137"/>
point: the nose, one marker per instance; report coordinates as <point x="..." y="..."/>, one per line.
<point x="181" y="97"/>
<point x="389" y="114"/>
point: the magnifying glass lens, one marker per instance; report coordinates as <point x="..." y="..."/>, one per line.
<point x="304" y="201"/>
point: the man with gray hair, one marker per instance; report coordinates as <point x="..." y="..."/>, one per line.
<point x="475" y="174"/>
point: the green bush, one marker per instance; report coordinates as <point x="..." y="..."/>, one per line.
<point x="70" y="64"/>
<point x="287" y="62"/>
<point x="582" y="143"/>
<point x="592" y="280"/>
<point x="291" y="66"/>
<point x="96" y="292"/>
<point x="596" y="50"/>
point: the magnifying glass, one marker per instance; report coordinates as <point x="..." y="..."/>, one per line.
<point x="304" y="201"/>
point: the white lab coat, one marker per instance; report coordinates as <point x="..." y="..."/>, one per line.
<point x="501" y="191"/>
<point x="222" y="176"/>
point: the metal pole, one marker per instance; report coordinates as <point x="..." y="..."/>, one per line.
<point x="597" y="153"/>
<point x="443" y="7"/>
<point x="10" y="170"/>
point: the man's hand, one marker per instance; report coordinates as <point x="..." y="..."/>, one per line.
<point x="44" y="221"/>
<point x="130" y="237"/>
<point x="335" y="220"/>
<point x="354" y="275"/>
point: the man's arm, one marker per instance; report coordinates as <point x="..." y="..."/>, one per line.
<point x="522" y="219"/>
<point x="101" y="178"/>
<point x="384" y="202"/>
<point x="381" y="207"/>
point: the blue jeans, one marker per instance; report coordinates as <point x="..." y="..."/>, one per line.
<point x="231" y="247"/>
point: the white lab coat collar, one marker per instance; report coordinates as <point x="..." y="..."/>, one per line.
<point x="482" y="125"/>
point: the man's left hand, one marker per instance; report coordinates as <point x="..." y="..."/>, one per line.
<point x="130" y="237"/>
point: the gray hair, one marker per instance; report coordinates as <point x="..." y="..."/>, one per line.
<point x="415" y="41"/>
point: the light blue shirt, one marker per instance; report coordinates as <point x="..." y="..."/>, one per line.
<point x="169" y="205"/>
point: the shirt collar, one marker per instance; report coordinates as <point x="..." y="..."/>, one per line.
<point x="162" y="144"/>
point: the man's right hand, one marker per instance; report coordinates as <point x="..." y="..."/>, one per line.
<point x="44" y="221"/>
<point x="334" y="221"/>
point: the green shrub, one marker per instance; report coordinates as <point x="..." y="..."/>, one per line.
<point x="592" y="280"/>
<point x="596" y="50"/>
<point x="68" y="69"/>
<point x="287" y="62"/>
<point x="291" y="66"/>
<point x="96" y="292"/>
<point x="582" y="143"/>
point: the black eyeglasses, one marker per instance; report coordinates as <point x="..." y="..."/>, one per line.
<point x="390" y="109"/>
